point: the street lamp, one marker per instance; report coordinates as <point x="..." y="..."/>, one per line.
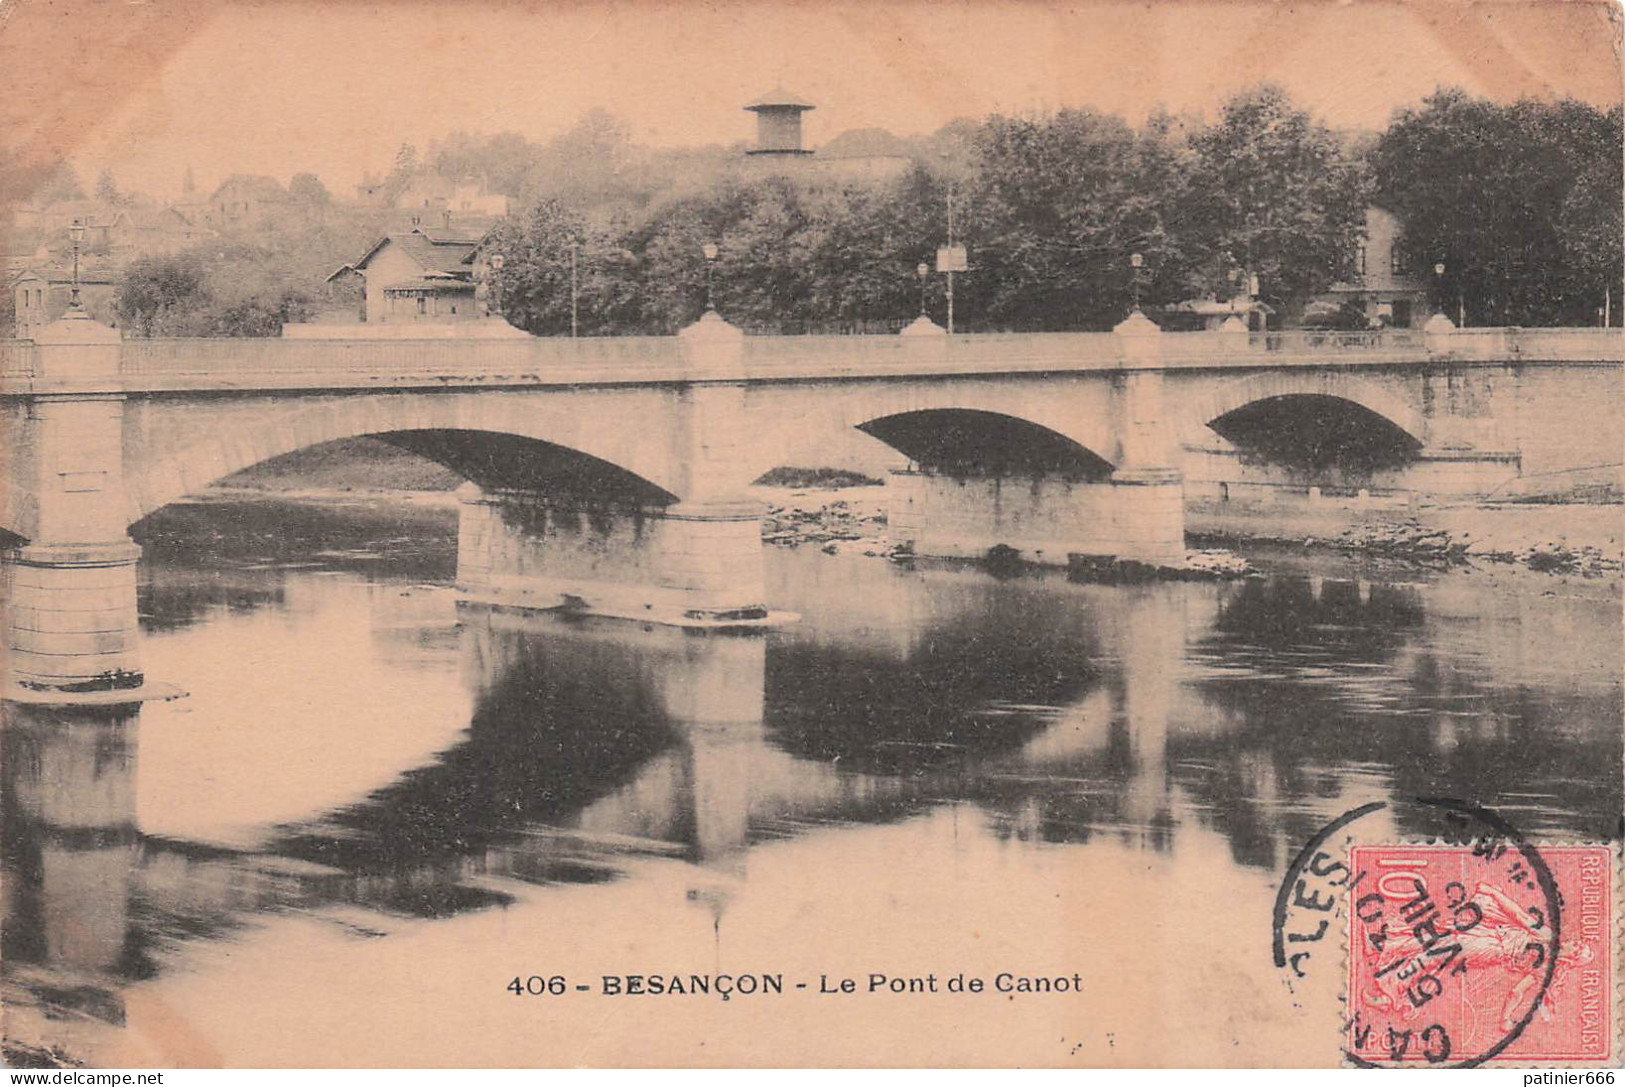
<point x="710" y="251"/>
<point x="1461" y="296"/>
<point x="574" y="295"/>
<point x="497" y="261"/>
<point x="77" y="233"/>
<point x="922" y="270"/>
<point x="1136" y="261"/>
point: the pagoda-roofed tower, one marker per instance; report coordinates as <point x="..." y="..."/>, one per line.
<point x="778" y="123"/>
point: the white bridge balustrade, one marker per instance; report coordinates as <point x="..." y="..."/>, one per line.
<point x="610" y="475"/>
<point x="159" y="364"/>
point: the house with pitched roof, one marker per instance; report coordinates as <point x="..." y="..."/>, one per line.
<point x="418" y="277"/>
<point x="41" y="294"/>
<point x="431" y="194"/>
<point x="245" y="201"/>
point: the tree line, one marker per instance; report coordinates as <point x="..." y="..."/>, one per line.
<point x="1517" y="204"/>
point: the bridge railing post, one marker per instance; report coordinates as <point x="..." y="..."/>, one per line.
<point x="1143" y="435"/>
<point x="1438" y="333"/>
<point x="1235" y="336"/>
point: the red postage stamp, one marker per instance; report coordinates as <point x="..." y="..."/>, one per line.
<point x="1496" y="952"/>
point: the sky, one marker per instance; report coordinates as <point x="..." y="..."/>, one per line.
<point x="152" y="87"/>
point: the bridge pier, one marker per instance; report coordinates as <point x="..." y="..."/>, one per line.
<point x="72" y="632"/>
<point x="687" y="564"/>
<point x="71" y="627"/>
<point x="1135" y="512"/>
<point x="695" y="562"/>
<point x="1047" y="519"/>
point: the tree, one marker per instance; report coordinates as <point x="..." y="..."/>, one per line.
<point x="401" y="174"/>
<point x="230" y="289"/>
<point x="586" y="165"/>
<point x="61" y="184"/>
<point x="502" y="160"/>
<point x="533" y="285"/>
<point x="861" y="247"/>
<point x="44" y="181"/>
<point x="1589" y="226"/>
<point x="162" y="296"/>
<point x="1058" y="206"/>
<point x="1274" y="195"/>
<point x="308" y="189"/>
<point x="106" y="188"/>
<point x="1520" y="203"/>
<point x="258" y="315"/>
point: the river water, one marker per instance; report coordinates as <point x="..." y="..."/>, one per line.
<point x="375" y="810"/>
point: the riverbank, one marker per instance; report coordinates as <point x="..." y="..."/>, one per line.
<point x="1564" y="538"/>
<point x="1569" y="538"/>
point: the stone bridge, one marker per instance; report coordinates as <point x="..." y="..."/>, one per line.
<point x="610" y="475"/>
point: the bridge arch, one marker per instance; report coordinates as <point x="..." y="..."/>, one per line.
<point x="784" y="422"/>
<point x="481" y="438"/>
<point x="1219" y="400"/>
<point x="956" y="441"/>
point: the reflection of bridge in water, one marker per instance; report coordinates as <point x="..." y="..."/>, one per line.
<point x="609" y="475"/>
<point x="1060" y="711"/>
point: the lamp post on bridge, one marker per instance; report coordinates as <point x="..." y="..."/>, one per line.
<point x="497" y="262"/>
<point x="710" y="250"/>
<point x="574" y="294"/>
<point x="922" y="270"/>
<point x="1137" y="262"/>
<point x="1461" y="295"/>
<point x="77" y="233"/>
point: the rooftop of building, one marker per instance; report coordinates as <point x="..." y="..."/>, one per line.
<point x="435" y="282"/>
<point x="859" y="143"/>
<point x="447" y="254"/>
<point x="779" y="98"/>
<point x="261" y="186"/>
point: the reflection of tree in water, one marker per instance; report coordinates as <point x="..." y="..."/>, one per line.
<point x="1358" y="621"/>
<point x="1322" y="688"/>
<point x="1083" y="717"/>
<point x="548" y="738"/>
<point x="1305" y="692"/>
<point x="952" y="718"/>
<point x="169" y="599"/>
